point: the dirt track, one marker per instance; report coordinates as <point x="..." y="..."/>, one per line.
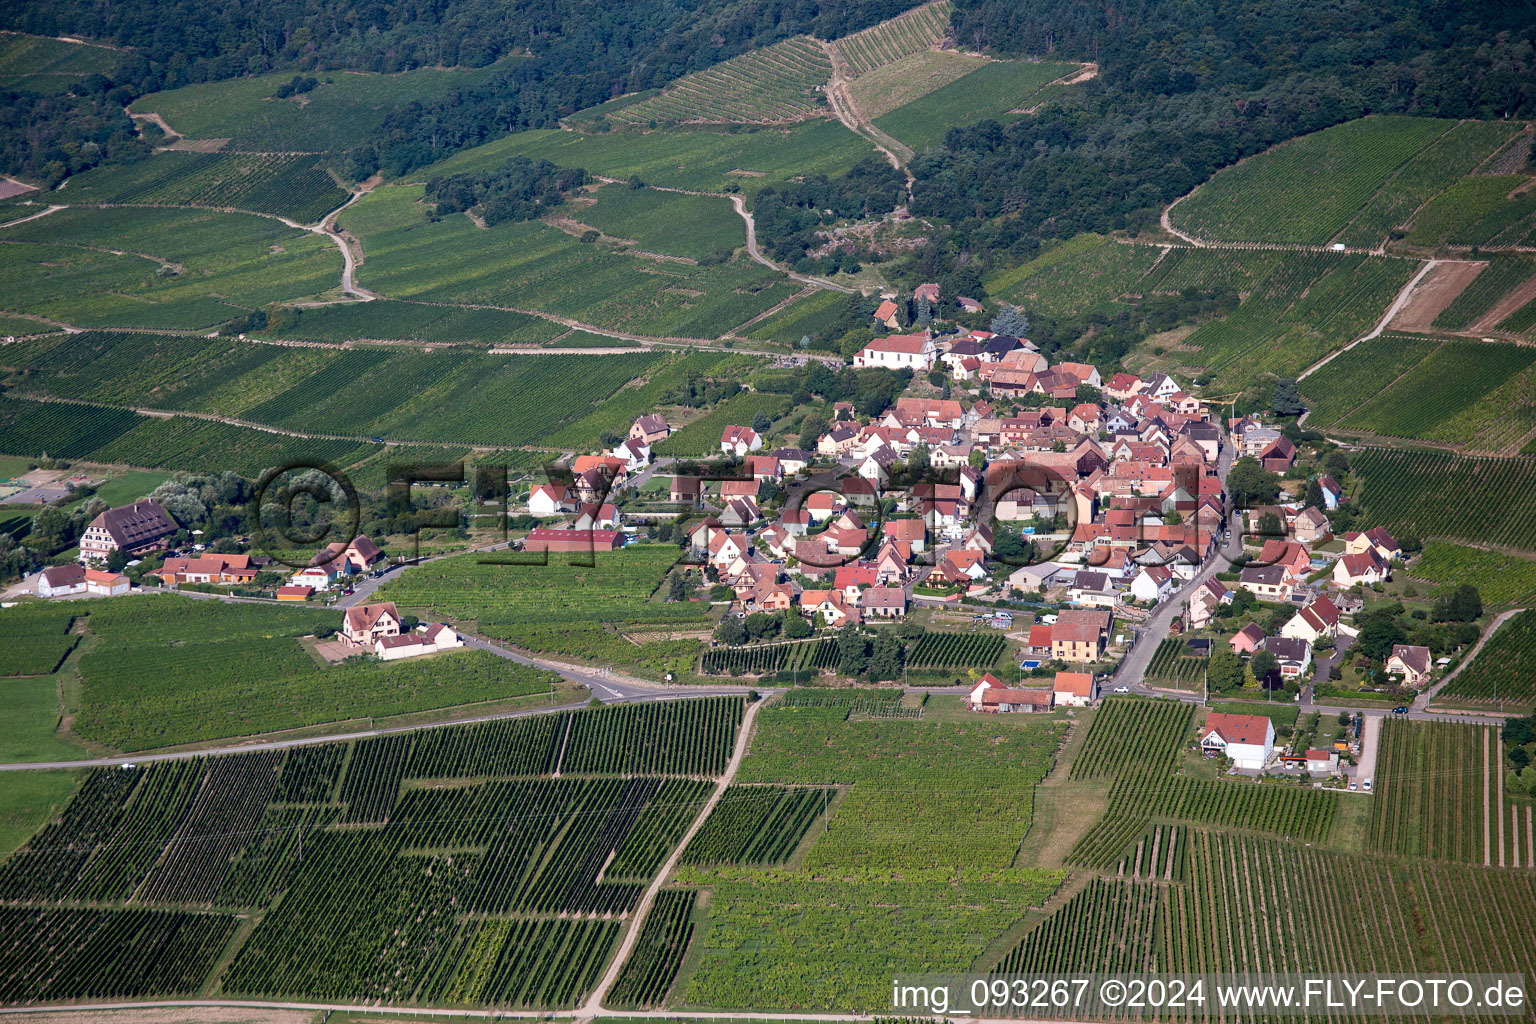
<point x="1438" y="289"/>
<point x="1512" y="300"/>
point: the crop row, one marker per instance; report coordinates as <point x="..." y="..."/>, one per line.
<point x="652" y="966"/>
<point x="1504" y="671"/>
<point x="957" y="650"/>
<point x="1432" y="788"/>
<point x="292" y="186"/>
<point x="38" y="638"/>
<point x="767" y="86"/>
<point x="1172" y="663"/>
<point x="1502" y="274"/>
<point x="1133" y="734"/>
<point x="765" y="659"/>
<point x="889" y="41"/>
<point x="757" y="825"/>
<point x="1437" y="494"/>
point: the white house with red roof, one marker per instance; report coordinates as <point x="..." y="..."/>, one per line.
<point x="739" y="441"/>
<point x="1075" y="689"/>
<point x="1314" y="622"/>
<point x="914" y="352"/>
<point x="547" y="500"/>
<point x="1153" y="583"/>
<point x="1248" y="740"/>
<point x="1410" y="661"/>
<point x="426" y="639"/>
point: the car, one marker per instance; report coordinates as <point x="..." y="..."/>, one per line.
<point x="1122" y="689"/>
<point x="1367" y="785"/>
<point x="1400" y="710"/>
<point x="1354" y="786"/>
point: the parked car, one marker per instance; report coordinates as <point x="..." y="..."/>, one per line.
<point x="1400" y="710"/>
<point x="1367" y="785"/>
<point x="1354" y="786"/>
<point x="1122" y="689"/>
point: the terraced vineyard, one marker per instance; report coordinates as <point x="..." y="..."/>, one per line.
<point x="889" y="41"/>
<point x="774" y="85"/>
<point x="998" y="90"/>
<point x="1173" y="665"/>
<point x="437" y="901"/>
<point x="1503" y="675"/>
<point x="1435" y="494"/>
<point x="403" y="321"/>
<point x="281" y="184"/>
<point x="63" y="431"/>
<point x="1432" y="791"/>
<point x="1087" y="272"/>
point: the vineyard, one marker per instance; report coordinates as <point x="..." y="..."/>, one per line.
<point x="1435" y="494"/>
<point x="774" y="85"/>
<point x="1432" y="784"/>
<point x="901" y="36"/>
<point x="292" y="186"/>
<point x="37" y="639"/>
<point x="957" y="650"/>
<point x="702" y="436"/>
<point x="1133" y="734"/>
<point x="1481" y="210"/>
<point x="47" y="66"/>
<point x="1354" y="378"/>
<point x="507" y="887"/>
<point x="1502" y="275"/>
<point x="1500" y="579"/>
<point x="648" y="973"/>
<point x="34" y="429"/>
<point x="810" y="657"/>
<point x="1173" y="666"/>
<point x="1087" y="272"/>
<point x="387" y="320"/>
<point x="1504" y="672"/>
<point x="873" y="703"/>
<point x="757" y="825"/>
<point x="999" y="90"/>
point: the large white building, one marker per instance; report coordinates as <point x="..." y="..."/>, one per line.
<point x="898" y="352"/>
<point x="1247" y="739"/>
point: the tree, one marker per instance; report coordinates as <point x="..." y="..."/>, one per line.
<point x="763" y="625"/>
<point x="1225" y="672"/>
<point x="1263" y="664"/>
<point x="1251" y="484"/>
<point x="1464" y="604"/>
<point x="976" y="459"/>
<point x="796" y="628"/>
<point x="1011" y="322"/>
<point x="812" y="426"/>
<point x="850" y="652"/>
<point x="1285" y="401"/>
<point x="677" y="590"/>
<point x="116" y="560"/>
<point x="1336" y="463"/>
<point x="1314" y="495"/>
<point x="1378" y="636"/>
<point x="1269" y="525"/>
<point x="1087" y="393"/>
<point x="731" y="631"/>
<point x="885" y="659"/>
<point x="936" y="378"/>
<point x="918" y="461"/>
<point x="760" y="422"/>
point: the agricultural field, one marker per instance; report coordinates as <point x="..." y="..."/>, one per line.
<point x="1446" y="397"/>
<point x="531" y="266"/>
<point x="1503" y="274"/>
<point x="811" y="316"/>
<point x="387" y="320"/>
<point x="434" y="902"/>
<point x="902" y="36"/>
<point x="1085" y="273"/>
<point x="997" y="90"/>
<point x="703" y="160"/>
<point x="1133" y="734"/>
<point x="44" y="65"/>
<point x="238" y="670"/>
<point x="1503" y="675"/>
<point x="1436" y="786"/>
<point x="944" y="651"/>
<point x="811" y="657"/>
<point x="562" y="606"/>
<point x="861" y="702"/>
<point x="185" y="442"/>
<point x="159" y="268"/>
<point x="687" y="226"/>
<point x="1354" y="378"/>
<point x="33" y="429"/>
<point x="651" y="968"/>
<point x="289" y="185"/>
<point x="757" y="825"/>
<point x="1454" y="497"/>
<point x="885" y="88"/>
<point x="1500" y="579"/>
<point x="775" y="85"/>
<point x="38" y="637"/>
<point x="1481" y="210"/>
<point x="702" y="436"/>
<point x="344" y="110"/>
<point x="1311" y="187"/>
<point x="1173" y="665"/>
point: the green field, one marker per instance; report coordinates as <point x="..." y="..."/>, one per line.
<point x="278" y="184"/>
<point x="710" y="161"/>
<point x="1308" y="189"/>
<point x="1495" y="209"/>
<point x="1501" y="579"/>
<point x="125" y="488"/>
<point x="811" y="316"/>
<point x="387" y="320"/>
<point x="157" y="268"/>
<point x="532" y="266"/>
<point x="695" y="227"/>
<point x="1084" y="273"/>
<point x="344" y="110"/>
<point x="998" y="90"/>
<point x="702" y="436"/>
<point x="775" y="85"/>
<point x="239" y="670"/>
<point x="1500" y="276"/>
<point x="1355" y="377"/>
<point x="29" y="799"/>
<point x="44" y="65"/>
<point x="1503" y="675"/>
<point x="1436" y="494"/>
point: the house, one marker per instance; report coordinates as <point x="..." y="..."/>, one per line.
<point x="898" y="352"/>
<point x="1333" y="492"/>
<point x="1248" y="639"/>
<point x="1310" y="526"/>
<point x="1266" y="582"/>
<point x="792" y="460"/>
<point x="649" y="428"/>
<point x="991" y="697"/>
<point x="1294" y="656"/>
<point x="595" y="517"/>
<point x="1159" y="386"/>
<point x="838" y="440"/>
<point x="1288" y="555"/>
<point x="764" y="467"/>
<point x="60" y="580"/>
<point x="1411" y="662"/>
<point x="105" y="584"/>
<point x="356" y="555"/>
<point x="913" y="532"/>
<point x="294" y="593"/>
<point x="1322" y="762"/>
<point x="365" y="623"/>
<point x="206" y="568"/>
<point x="131" y="529"/>
<point x="1080" y="635"/>
<point x="573" y="541"/>
<point x="1207" y="598"/>
<point x="1248" y="740"/>
<point x="885" y="602"/>
<point x="960" y="565"/>
<point x="738" y="441"/>
<point x="932" y="412"/>
<point x="1092" y="590"/>
<point x="1375" y="539"/>
<point x="967" y="304"/>
<point x="741" y="512"/>
<point x="1314" y="622"/>
<point x="1075" y="689"/>
<point x="885" y="315"/>
<point x="1367" y="568"/>
<point x="548" y="500"/>
<point x="1278" y="455"/>
<point x="1122" y="386"/>
<point x="926" y="293"/>
<point x="1153" y="583"/>
<point x="1256" y="438"/>
<point x="427" y="639"/>
<point x="685" y="489"/>
<point x="636" y="454"/>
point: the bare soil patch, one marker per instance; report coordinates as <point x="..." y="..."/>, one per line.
<point x="742" y="172"/>
<point x="197" y="145"/>
<point x="1435" y="291"/>
<point x="1512" y="300"/>
<point x="11" y="187"/>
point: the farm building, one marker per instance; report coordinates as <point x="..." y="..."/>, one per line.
<point x="1077" y="689"/>
<point x="573" y="540"/>
<point x="990" y="696"/>
<point x="131" y="529"/>
<point x="426" y="639"/>
<point x="1247" y="739"/>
